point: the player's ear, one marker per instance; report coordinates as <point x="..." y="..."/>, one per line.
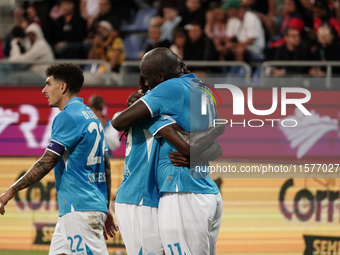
<point x="161" y="77"/>
<point x="63" y="87"/>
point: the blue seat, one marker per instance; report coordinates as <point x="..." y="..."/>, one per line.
<point x="133" y="45"/>
<point x="141" y="21"/>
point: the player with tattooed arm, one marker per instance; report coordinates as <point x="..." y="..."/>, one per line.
<point x="78" y="154"/>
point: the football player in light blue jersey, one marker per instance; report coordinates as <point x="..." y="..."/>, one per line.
<point x="111" y="135"/>
<point x="81" y="166"/>
<point x="190" y="209"/>
<point x="136" y="204"/>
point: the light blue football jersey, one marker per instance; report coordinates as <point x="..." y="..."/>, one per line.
<point x="141" y="159"/>
<point x="80" y="174"/>
<point x="180" y="98"/>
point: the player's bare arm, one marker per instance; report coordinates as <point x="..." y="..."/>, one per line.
<point x="131" y="116"/>
<point x="191" y="143"/>
<point x="213" y="152"/>
<point x="110" y="226"/>
<point x="41" y="168"/>
<point x="107" y="164"/>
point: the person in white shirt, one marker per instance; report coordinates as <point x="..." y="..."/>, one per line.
<point x="39" y="50"/>
<point x="245" y="35"/>
<point x="89" y="10"/>
<point x="171" y="20"/>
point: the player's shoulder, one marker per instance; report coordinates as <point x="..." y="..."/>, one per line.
<point x="176" y="83"/>
<point x="63" y="115"/>
<point x="76" y="112"/>
<point x="76" y="109"/>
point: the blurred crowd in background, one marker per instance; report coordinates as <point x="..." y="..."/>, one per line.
<point x="117" y="30"/>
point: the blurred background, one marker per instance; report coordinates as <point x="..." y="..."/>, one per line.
<point x="248" y="43"/>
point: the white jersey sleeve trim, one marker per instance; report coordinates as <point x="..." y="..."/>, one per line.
<point x="54" y="152"/>
<point x="155" y="133"/>
<point x="58" y="142"/>
<point x="147" y="106"/>
<point x="56" y="147"/>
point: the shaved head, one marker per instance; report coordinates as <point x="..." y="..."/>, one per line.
<point x="159" y="65"/>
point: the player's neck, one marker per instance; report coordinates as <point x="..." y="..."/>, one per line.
<point x="67" y="97"/>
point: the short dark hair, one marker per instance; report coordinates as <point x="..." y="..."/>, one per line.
<point x="171" y="6"/>
<point x="96" y="102"/>
<point x="71" y="74"/>
<point x="71" y="1"/>
<point x="179" y="31"/>
<point x="18" y="31"/>
<point x="290" y="29"/>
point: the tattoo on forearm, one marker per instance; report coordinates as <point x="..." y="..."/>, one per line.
<point x="42" y="167"/>
<point x="108" y="177"/>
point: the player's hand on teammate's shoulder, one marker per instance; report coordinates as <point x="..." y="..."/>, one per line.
<point x="4" y="198"/>
<point x="134" y="97"/>
<point x="110" y="227"/>
<point x="178" y="159"/>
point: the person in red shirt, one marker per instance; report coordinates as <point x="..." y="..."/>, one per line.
<point x="294" y="11"/>
<point x="323" y="15"/>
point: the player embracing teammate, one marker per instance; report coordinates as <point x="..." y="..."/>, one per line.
<point x="190" y="206"/>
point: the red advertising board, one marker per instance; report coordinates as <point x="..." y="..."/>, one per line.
<point x="25" y="125"/>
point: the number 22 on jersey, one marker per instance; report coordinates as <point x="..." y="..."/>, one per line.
<point x="92" y="159"/>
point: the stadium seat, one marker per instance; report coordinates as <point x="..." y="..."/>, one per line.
<point x="141" y="21"/>
<point x="132" y="45"/>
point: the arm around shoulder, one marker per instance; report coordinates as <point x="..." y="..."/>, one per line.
<point x="131" y="116"/>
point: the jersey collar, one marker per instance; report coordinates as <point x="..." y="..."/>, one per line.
<point x="74" y="100"/>
<point x="189" y="75"/>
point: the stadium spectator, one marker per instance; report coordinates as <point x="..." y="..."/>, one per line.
<point x="108" y="46"/>
<point x="216" y="20"/>
<point x="193" y="13"/>
<point x="18" y="14"/>
<point x="122" y="9"/>
<point x="323" y="15"/>
<point x="20" y="39"/>
<point x="328" y="50"/>
<point x="40" y="50"/>
<point x="292" y="50"/>
<point x="56" y="12"/>
<point x="111" y="135"/>
<point x="37" y="13"/>
<point x="32" y="14"/>
<point x="20" y="19"/>
<point x="154" y="40"/>
<point x="89" y="10"/>
<point x="292" y="11"/>
<point x="171" y="19"/>
<point x="70" y="31"/>
<point x="180" y="38"/>
<point x="245" y="35"/>
<point x="198" y="46"/>
<point x="265" y="11"/>
<point x="336" y="9"/>
<point x="105" y="13"/>
<point x="160" y="4"/>
<point x="215" y="27"/>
